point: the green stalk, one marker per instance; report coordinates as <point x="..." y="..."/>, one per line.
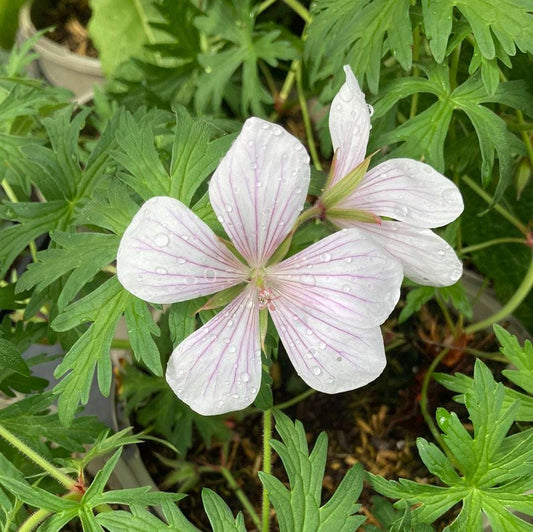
<point x="245" y="501"/>
<point x="518" y="297"/>
<point x="424" y="404"/>
<point x="495" y="241"/>
<point x="53" y="471"/>
<point x="300" y="9"/>
<point x="267" y="467"/>
<point x="306" y="119"/>
<point x="295" y="400"/>
<point x="40" y="515"/>
<point x="525" y="136"/>
<point x="502" y="210"/>
<point x="416" y="56"/>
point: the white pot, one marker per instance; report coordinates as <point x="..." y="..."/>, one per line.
<point x="60" y="66"/>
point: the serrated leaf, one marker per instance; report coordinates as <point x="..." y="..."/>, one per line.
<point x="85" y="253"/>
<point x="11" y="359"/>
<point x="220" y="515"/>
<point x="358" y="33"/>
<point x="141" y="327"/>
<point x="493" y="469"/>
<point x="103" y="307"/>
<point x="298" y="507"/>
<point x="240" y="46"/>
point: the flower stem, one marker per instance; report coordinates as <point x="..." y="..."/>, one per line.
<point x="40" y="515"/>
<point x="502" y="210"/>
<point x="306" y="119"/>
<point x="295" y="400"/>
<point x="518" y="297"/>
<point x="53" y="471"/>
<point x="300" y="9"/>
<point x="416" y="56"/>
<point x="424" y="404"/>
<point x="483" y="245"/>
<point x="267" y="467"/>
<point x="525" y="136"/>
<point x="245" y="501"/>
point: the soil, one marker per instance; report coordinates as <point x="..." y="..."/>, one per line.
<point x="376" y="425"/>
<point x="69" y="19"/>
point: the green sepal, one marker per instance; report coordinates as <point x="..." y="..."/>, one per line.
<point x="282" y="250"/>
<point x="222" y="298"/>
<point x="345" y="186"/>
<point x="263" y="327"/>
<point x="354" y="216"/>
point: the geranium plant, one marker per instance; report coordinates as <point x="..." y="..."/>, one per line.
<point x="232" y="202"/>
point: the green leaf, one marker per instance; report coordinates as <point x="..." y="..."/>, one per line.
<point x="358" y="33"/>
<point x="100" y="480"/>
<point x="120" y="29"/>
<point x="508" y="23"/>
<point x="237" y="45"/>
<point x="35" y="496"/>
<point x="491" y="470"/>
<point x="182" y="320"/>
<point x="11" y="359"/>
<point x="220" y="515"/>
<point x="298" y="507"/>
<point x="8" y="21"/>
<point x="141" y="328"/>
<point x="85" y="253"/>
<point x="34" y="219"/>
<point x="103" y="307"/>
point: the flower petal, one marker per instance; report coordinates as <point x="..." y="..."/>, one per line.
<point x="345" y="276"/>
<point x="409" y="191"/>
<point x="259" y="188"/>
<point x="167" y="254"/>
<point x="329" y="355"/>
<point x="426" y="258"/>
<point x="349" y="126"/>
<point x="217" y="369"/>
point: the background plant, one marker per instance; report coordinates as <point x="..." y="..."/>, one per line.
<point x="450" y="84"/>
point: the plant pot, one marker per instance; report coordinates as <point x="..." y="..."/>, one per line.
<point x="58" y="64"/>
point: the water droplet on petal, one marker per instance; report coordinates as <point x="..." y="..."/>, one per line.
<point x="348" y="260"/>
<point x="140" y="277"/>
<point x="210" y="275"/>
<point x="325" y="257"/>
<point x="250" y="143"/>
<point x="245" y="377"/>
<point x="309" y="332"/>
<point x="370" y="109"/>
<point x="161" y="240"/>
<point x="190" y="279"/>
<point x="185" y="237"/>
<point x="346" y="288"/>
<point x="456" y="274"/>
<point x="265" y="125"/>
<point x="346" y="94"/>
<point x="181" y="260"/>
<point x="232" y="349"/>
<point x="235" y="396"/>
<point x="161" y="271"/>
<point x="308" y="279"/>
<point x="277" y="131"/>
<point x="220" y="403"/>
<point x="316" y="370"/>
<point x="229" y="208"/>
<point x="258" y="184"/>
<point x="230" y="323"/>
<point x="253" y="390"/>
<point x="402" y="210"/>
<point x="451" y="196"/>
<point x="442" y="252"/>
<point x="322" y="345"/>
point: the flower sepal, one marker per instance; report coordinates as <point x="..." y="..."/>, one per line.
<point x="344" y="187"/>
<point x="354" y="215"/>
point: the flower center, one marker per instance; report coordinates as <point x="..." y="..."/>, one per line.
<point x="265" y="293"/>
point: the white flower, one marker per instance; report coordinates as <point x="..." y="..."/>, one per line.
<point x="410" y="195"/>
<point x="326" y="302"/>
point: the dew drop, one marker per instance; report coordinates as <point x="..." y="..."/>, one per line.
<point x="253" y="390"/>
<point x="220" y="219"/>
<point x="402" y="210"/>
<point x="232" y="349"/>
<point x="348" y="260"/>
<point x="456" y="273"/>
<point x="329" y="380"/>
<point x="325" y="257"/>
<point x="370" y="109"/>
<point x="258" y="184"/>
<point x="181" y="260"/>
<point x="308" y="279"/>
<point x="339" y="359"/>
<point x="298" y="147"/>
<point x="235" y="396"/>
<point x="236" y="189"/>
<point x="161" y="240"/>
<point x="220" y="403"/>
<point x="309" y="332"/>
<point x="245" y="377"/>
<point x="451" y="196"/>
<point x="250" y="143"/>
<point x="346" y="94"/>
<point x="346" y="288"/>
<point x="229" y="208"/>
<point x="442" y="252"/>
<point x="210" y="275"/>
<point x="230" y="323"/>
<point x="185" y="237"/>
<point x="316" y="370"/>
<point x="322" y="345"/>
<point x="265" y="126"/>
<point x="140" y="277"/>
<point x="190" y="279"/>
<point x="161" y="271"/>
<point x="277" y="131"/>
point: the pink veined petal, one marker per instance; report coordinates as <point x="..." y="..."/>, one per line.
<point x="349" y="126"/>
<point x="217" y="369"/>
<point x="330" y="356"/>
<point x="345" y="276"/>
<point x="426" y="258"/>
<point x="259" y="188"/>
<point x="167" y="254"/>
<point x="409" y="191"/>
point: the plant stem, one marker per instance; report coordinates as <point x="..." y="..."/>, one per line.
<point x="525" y="136"/>
<point x="300" y="9"/>
<point x="483" y="245"/>
<point x="226" y="473"/>
<point x="53" y="471"/>
<point x="35" y="518"/>
<point x="416" y="56"/>
<point x="424" y="403"/>
<point x="502" y="210"/>
<point x="295" y="400"/>
<point x="263" y="5"/>
<point x="306" y="119"/>
<point x="267" y="467"/>
<point x="454" y="66"/>
<point x="518" y="297"/>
